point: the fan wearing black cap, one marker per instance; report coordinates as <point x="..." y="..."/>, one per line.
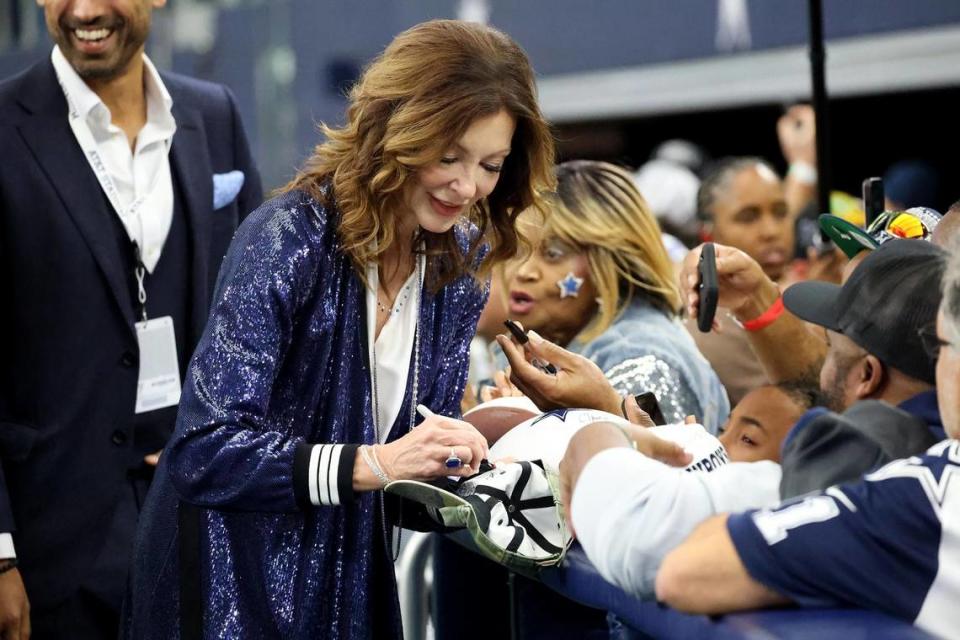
<point x="873" y="324"/>
<point x="753" y="298"/>
<point x="878" y="370"/>
<point x="890" y="542"/>
<point x="877" y="354"/>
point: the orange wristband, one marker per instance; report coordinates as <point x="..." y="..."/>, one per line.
<point x="766" y="318"/>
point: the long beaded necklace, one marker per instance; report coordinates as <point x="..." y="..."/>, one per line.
<point x="415" y="397"/>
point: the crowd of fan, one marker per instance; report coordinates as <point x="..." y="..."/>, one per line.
<point x="838" y="359"/>
<point x="809" y="439"/>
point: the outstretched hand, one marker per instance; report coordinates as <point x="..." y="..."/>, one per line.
<point x="633" y="413"/>
<point x="826" y="267"/>
<point x="502" y="387"/>
<point x="599" y="436"/>
<point x="666" y="451"/>
<point x="579" y="382"/>
<point x="743" y="286"/>
<point x="797" y="133"/>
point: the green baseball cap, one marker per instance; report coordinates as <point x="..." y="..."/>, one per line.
<point x="916" y="223"/>
<point x="850" y="238"/>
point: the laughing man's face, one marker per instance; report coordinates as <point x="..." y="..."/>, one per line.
<point x="99" y="38"/>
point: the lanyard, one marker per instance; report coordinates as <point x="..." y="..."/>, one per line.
<point x="139" y="272"/>
<point x="127" y="214"/>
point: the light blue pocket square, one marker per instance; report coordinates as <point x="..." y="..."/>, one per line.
<point x="226" y="186"/>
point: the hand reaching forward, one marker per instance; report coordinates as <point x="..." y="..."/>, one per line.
<point x="502" y="387"/>
<point x="743" y="286"/>
<point x="578" y="383"/>
<point x="599" y="436"/>
<point x="797" y="132"/>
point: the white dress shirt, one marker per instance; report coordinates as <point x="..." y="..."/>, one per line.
<point x="140" y="176"/>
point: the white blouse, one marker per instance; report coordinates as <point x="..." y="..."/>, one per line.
<point x="393" y="348"/>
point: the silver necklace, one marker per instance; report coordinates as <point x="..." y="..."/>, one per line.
<point x="402" y="296"/>
<point x="415" y="395"/>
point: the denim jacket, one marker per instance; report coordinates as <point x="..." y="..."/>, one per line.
<point x="647" y="350"/>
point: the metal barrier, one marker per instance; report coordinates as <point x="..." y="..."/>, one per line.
<point x="414" y="584"/>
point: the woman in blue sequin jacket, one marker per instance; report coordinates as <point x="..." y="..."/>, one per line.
<point x="598" y="282"/>
<point x="342" y="304"/>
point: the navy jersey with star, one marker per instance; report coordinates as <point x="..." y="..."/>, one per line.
<point x="890" y="542"/>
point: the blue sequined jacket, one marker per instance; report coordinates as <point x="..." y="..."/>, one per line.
<point x="647" y="350"/>
<point x="282" y="362"/>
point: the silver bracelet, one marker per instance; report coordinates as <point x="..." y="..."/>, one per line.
<point x="369" y="455"/>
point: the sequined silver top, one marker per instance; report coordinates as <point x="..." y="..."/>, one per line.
<point x="647" y="350"/>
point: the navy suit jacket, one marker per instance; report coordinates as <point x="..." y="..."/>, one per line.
<point x="68" y="349"/>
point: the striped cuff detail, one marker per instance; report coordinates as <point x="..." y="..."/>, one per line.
<point x="323" y="474"/>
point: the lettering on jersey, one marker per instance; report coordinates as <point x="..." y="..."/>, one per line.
<point x="775" y="525"/>
<point x="714" y="461"/>
<point x="841" y="497"/>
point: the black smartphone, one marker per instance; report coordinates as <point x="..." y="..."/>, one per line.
<point x="523" y="339"/>
<point x="517" y="332"/>
<point x="708" y="287"/>
<point x="647" y="402"/>
<point x="873" y="199"/>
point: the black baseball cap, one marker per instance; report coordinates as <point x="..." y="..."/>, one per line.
<point x="888" y="299"/>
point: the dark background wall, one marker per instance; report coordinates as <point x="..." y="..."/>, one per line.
<point x="868" y="134"/>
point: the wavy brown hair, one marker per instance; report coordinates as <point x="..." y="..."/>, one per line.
<point x="598" y="209"/>
<point x="410" y="105"/>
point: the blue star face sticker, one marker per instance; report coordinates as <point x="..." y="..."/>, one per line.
<point x="570" y="286"/>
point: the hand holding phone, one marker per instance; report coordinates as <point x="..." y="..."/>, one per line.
<point x="647" y="402"/>
<point x="522" y="338"/>
<point x="708" y="287"/>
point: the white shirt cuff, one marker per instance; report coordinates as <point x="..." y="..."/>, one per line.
<point x="6" y="546"/>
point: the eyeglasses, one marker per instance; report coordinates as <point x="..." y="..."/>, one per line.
<point x="932" y="343"/>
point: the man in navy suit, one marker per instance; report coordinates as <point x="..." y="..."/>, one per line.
<point x="120" y="189"/>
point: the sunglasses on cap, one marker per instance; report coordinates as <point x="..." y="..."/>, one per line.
<point x="917" y="223"/>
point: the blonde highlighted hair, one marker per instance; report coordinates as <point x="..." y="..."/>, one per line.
<point x="410" y="105"/>
<point x="598" y="209"/>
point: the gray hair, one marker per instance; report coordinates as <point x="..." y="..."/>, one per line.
<point x="950" y="306"/>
